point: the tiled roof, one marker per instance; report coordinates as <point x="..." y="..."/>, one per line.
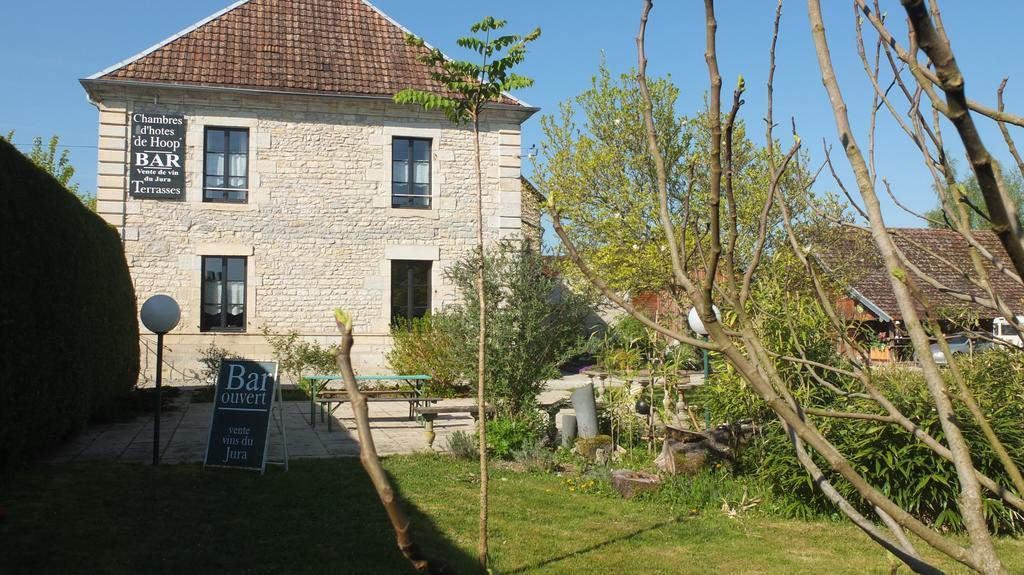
<point x="306" y="46"/>
<point x="926" y="248"/>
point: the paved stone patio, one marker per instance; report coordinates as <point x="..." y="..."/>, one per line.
<point x="185" y="426"/>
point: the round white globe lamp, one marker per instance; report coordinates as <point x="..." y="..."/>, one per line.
<point x="160" y="314"/>
<point x="697" y="325"/>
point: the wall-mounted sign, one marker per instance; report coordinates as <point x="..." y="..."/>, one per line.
<point x="240" y="424"/>
<point x="158" y="156"/>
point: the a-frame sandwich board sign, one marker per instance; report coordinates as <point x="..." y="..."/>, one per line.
<point x="243" y="407"/>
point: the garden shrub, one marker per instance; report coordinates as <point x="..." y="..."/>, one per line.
<point x="887" y="456"/>
<point x="463" y="445"/>
<point x="624" y="346"/>
<point x="297" y="357"/>
<point x="535" y="457"/>
<point x="908" y="472"/>
<point x="210" y="358"/>
<point x="534" y="324"/>
<point x="507" y="434"/>
<point x="426" y="346"/>
<point x="69" y="323"/>
<point x="628" y="345"/>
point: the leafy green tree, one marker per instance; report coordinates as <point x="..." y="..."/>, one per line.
<point x="977" y="210"/>
<point x="58" y="166"/>
<point x="595" y="154"/>
<point x="471" y="86"/>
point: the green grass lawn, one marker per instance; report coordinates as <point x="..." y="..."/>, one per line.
<point x="323" y="517"/>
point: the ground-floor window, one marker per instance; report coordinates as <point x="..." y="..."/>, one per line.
<point x="410" y="289"/>
<point x="223" y="294"/>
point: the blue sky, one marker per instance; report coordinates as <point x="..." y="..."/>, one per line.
<point x="47" y="46"/>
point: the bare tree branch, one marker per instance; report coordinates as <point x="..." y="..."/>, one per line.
<point x="849" y="415"/>
<point x="929" y="75"/>
<point x="982" y="555"/>
<point x="1006" y="132"/>
<point x="1001" y="207"/>
<point x="368" y="453"/>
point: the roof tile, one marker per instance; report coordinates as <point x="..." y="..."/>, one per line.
<point x="941" y="254"/>
<point x="309" y="46"/>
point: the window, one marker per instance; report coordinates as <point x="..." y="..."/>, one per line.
<point x="410" y="173"/>
<point x="223" y="294"/>
<point x="410" y="289"/>
<point x="226" y="165"/>
<point x="1000" y="327"/>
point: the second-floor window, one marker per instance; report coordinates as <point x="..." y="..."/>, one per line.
<point x="226" y="165"/>
<point x="410" y="173"/>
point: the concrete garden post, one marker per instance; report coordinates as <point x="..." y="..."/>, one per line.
<point x="586" y="410"/>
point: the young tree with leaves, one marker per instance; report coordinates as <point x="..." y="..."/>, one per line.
<point x="471" y="86"/>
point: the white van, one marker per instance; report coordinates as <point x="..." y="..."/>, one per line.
<point x="1002" y="330"/>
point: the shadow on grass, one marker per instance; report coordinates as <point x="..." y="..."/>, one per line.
<point x="321" y="516"/>
<point x="594" y="547"/>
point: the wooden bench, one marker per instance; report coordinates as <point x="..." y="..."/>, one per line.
<point x="319" y="384"/>
<point x="429" y="414"/>
<point x="328" y="405"/>
<point x="370" y="394"/>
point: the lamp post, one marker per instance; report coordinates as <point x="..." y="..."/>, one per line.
<point x="159" y="314"/>
<point x="697" y="325"/>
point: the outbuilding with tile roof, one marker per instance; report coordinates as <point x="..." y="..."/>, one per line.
<point x="941" y="254"/>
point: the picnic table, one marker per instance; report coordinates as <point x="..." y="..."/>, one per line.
<point x="409" y="388"/>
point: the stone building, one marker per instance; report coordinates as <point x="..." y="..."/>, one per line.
<point x="941" y="256"/>
<point x="261" y="175"/>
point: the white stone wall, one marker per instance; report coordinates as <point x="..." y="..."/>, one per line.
<point x="318" y="229"/>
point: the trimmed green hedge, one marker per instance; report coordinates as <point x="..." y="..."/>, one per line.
<point x="68" y="330"/>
